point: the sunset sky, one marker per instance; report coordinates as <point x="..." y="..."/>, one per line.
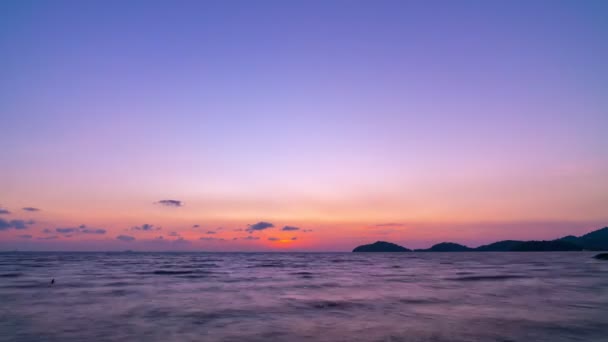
<point x="300" y="125"/>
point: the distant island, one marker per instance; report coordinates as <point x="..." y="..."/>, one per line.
<point x="594" y="241"/>
<point x="381" y="246"/>
<point x="602" y="256"/>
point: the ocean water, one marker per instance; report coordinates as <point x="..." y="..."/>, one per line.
<point x="303" y="297"/>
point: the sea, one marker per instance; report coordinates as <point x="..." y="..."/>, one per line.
<point x="453" y="297"/>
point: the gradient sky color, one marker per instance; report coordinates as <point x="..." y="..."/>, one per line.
<point x="409" y="121"/>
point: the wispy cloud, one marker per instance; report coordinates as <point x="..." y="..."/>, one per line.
<point x="30" y="209"/>
<point x="24" y="236"/>
<point x="146" y="227"/>
<point x="210" y="232"/>
<point x="250" y="238"/>
<point x="391" y="224"/>
<point x="4" y="211"/>
<point x="290" y="228"/>
<point x="211" y="239"/>
<point x="76" y="230"/>
<point x="171" y="203"/>
<point x="93" y="231"/>
<point x="195" y="226"/>
<point x="262" y="225"/>
<point x="52" y="237"/>
<point x="126" y="238"/>
<point x="66" y="230"/>
<point x="279" y="239"/>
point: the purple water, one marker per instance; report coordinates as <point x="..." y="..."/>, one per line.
<point x="303" y="297"/>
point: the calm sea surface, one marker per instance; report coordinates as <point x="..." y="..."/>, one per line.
<point x="303" y="297"/>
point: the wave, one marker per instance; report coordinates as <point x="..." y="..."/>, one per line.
<point x="164" y="272"/>
<point x="11" y="275"/>
<point x="303" y="275"/>
<point x="267" y="265"/>
<point x="335" y="304"/>
<point x="420" y="301"/>
<point x="494" y="277"/>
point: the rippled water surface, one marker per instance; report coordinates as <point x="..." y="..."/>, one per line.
<point x="303" y="297"/>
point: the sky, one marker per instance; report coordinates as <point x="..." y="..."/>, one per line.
<point x="300" y="125"/>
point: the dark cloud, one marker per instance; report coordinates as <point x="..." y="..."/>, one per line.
<point x="24" y="236"/>
<point x="20" y="224"/>
<point x="159" y="238"/>
<point x="212" y="239"/>
<point x="30" y="209"/>
<point x="391" y="224"/>
<point x="4" y="224"/>
<point x="195" y="226"/>
<point x="85" y="230"/>
<point x="171" y="203"/>
<point x="290" y="228"/>
<point x="259" y="226"/>
<point x="210" y="232"/>
<point x="4" y="211"/>
<point x="306" y="230"/>
<point x="15" y="224"/>
<point x="250" y="238"/>
<point x="53" y="237"/>
<point x="294" y="238"/>
<point x="173" y="234"/>
<point x="145" y="227"/>
<point x="238" y="230"/>
<point x="73" y="230"/>
<point x="66" y="230"/>
<point x="125" y="238"/>
<point x="181" y="240"/>
<point x="93" y="231"/>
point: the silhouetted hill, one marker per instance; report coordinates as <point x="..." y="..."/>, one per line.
<point x="381" y="246"/>
<point x="546" y="246"/>
<point x="446" y="247"/>
<point x="602" y="256"/>
<point x="570" y="238"/>
<point x="500" y="246"/>
<point x="594" y="241"/>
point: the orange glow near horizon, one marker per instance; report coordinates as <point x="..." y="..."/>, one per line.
<point x="170" y="229"/>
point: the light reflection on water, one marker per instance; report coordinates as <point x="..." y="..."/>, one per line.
<point x="303" y="297"/>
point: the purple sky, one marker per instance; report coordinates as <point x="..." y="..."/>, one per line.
<point x="456" y="119"/>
